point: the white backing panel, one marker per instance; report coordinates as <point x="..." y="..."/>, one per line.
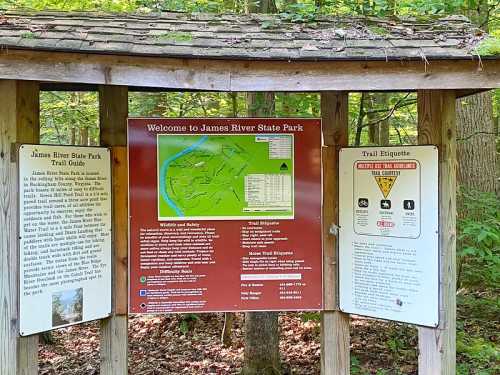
<point x="388" y="239"/>
<point x="65" y="236"/>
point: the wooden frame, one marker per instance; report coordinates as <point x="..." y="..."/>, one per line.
<point x="335" y="337"/>
<point x="229" y="75"/>
<point x="437" y="125"/>
<point x="19" y="122"/>
<point x="438" y="84"/>
<point x="113" y="113"/>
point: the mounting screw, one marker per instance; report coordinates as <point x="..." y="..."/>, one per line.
<point x="334" y="230"/>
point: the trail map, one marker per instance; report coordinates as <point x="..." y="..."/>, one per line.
<point x="225" y="176"/>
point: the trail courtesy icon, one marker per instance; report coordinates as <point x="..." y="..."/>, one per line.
<point x="385" y="184"/>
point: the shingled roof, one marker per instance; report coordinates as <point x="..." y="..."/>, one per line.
<point x="242" y="37"/>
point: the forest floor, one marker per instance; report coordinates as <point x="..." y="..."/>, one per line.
<point x="190" y="344"/>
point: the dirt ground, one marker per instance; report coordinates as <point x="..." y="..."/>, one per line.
<point x="158" y="345"/>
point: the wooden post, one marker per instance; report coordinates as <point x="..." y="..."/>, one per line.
<point x="19" y="123"/>
<point x="436" y="125"/>
<point x="335" y="347"/>
<point x="113" y="112"/>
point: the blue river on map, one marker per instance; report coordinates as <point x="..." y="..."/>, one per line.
<point x="163" y="173"/>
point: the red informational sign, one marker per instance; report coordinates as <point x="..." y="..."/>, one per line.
<point x="225" y="215"/>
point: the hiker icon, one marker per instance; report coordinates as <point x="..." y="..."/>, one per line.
<point x="385" y="204"/>
<point x="409" y="204"/>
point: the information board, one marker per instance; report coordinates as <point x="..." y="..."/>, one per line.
<point x="388" y="240"/>
<point x="65" y="236"/>
<point x="225" y="215"/>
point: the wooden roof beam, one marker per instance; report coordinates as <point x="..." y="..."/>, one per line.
<point x="226" y="75"/>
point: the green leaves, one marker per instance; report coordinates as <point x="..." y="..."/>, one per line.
<point x="489" y="47"/>
<point x="478" y="239"/>
<point x="302" y="12"/>
<point x="187" y="323"/>
<point x="64" y="114"/>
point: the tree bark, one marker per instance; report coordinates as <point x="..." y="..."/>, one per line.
<point x="476" y="144"/>
<point x="373" y="129"/>
<point x="382" y="100"/>
<point x="359" y="122"/>
<point x="227" y="331"/>
<point x="261" y="6"/>
<point x="262" y="355"/>
<point x="378" y="132"/>
<point x="260" y="104"/>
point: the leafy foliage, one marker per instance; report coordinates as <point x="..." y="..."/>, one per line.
<point x="489" y="47"/>
<point x="64" y="116"/>
<point x="478" y="240"/>
<point x="187" y="323"/>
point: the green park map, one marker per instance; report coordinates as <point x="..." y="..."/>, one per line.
<point x="225" y="176"/>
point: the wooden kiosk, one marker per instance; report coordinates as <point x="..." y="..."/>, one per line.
<point x="113" y="54"/>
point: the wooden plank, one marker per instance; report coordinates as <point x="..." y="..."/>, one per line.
<point x="8" y="227"/>
<point x="28" y="112"/>
<point x="113" y="112"/>
<point x="28" y="131"/>
<point x="120" y="232"/>
<point x="437" y="125"/>
<point x="114" y="345"/>
<point x="232" y="75"/>
<point x="335" y="348"/>
<point x="464" y="93"/>
<point x="18" y="123"/>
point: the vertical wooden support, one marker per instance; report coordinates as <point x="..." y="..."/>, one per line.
<point x="19" y="122"/>
<point x="113" y="112"/>
<point x="437" y="125"/>
<point x="335" y="346"/>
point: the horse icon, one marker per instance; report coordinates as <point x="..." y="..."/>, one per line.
<point x="385" y="204"/>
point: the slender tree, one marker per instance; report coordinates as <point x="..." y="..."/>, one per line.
<point x="262" y="355"/>
<point x="476" y="135"/>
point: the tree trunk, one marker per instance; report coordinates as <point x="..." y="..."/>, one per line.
<point x="476" y="147"/>
<point x="261" y="6"/>
<point x="227" y="339"/>
<point x="378" y="132"/>
<point x="373" y="129"/>
<point x="261" y="328"/>
<point x="260" y="104"/>
<point x="227" y="330"/>
<point x="359" y="121"/>
<point x="383" y="132"/>
<point x="84" y="136"/>
<point x="262" y="355"/>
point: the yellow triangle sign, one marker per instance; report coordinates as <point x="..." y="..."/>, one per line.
<point x="385" y="184"/>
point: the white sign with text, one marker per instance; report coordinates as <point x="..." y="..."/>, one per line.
<point x="65" y="236"/>
<point x="388" y="239"/>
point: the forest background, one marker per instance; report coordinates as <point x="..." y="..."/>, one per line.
<point x="375" y="118"/>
